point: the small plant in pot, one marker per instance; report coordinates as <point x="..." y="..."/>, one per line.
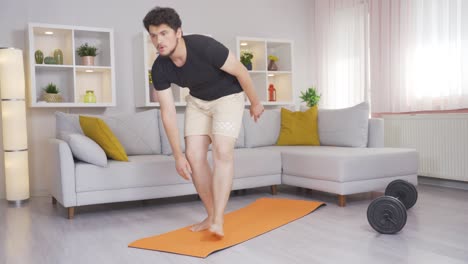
<point x="87" y="54"/>
<point x="51" y="94"/>
<point x="246" y="59"/>
<point x="310" y="97"/>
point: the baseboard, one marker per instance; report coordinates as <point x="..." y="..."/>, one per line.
<point x="443" y="183"/>
<point x="40" y="193"/>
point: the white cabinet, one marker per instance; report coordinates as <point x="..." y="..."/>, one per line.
<point x="145" y="94"/>
<point x="71" y="78"/>
<point x="282" y="78"/>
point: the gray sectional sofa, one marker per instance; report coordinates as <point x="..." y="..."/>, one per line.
<point x="350" y="160"/>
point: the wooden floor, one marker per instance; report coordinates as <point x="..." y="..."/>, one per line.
<point x="436" y="231"/>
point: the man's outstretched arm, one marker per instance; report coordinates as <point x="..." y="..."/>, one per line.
<point x="169" y="119"/>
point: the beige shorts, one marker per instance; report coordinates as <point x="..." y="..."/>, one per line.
<point x="222" y="116"/>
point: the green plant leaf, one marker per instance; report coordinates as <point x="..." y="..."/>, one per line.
<point x="51" y="88"/>
<point x="87" y="50"/>
<point x="310" y="97"/>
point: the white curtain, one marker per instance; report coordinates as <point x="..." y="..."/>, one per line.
<point x="341" y="52"/>
<point x="419" y="55"/>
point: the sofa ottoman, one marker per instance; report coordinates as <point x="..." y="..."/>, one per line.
<point x="345" y="171"/>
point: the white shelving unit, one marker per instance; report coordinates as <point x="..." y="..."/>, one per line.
<point x="145" y="94"/>
<point x="71" y="78"/>
<point x="261" y="77"/>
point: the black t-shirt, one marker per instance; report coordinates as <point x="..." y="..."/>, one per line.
<point x="201" y="72"/>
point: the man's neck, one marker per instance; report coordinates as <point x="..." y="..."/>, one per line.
<point x="180" y="53"/>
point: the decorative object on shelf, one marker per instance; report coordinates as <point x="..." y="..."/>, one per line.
<point x="311" y="97"/>
<point x="272" y="93"/>
<point x="87" y="54"/>
<point x="51" y="94"/>
<point x="49" y="60"/>
<point x="58" y="56"/>
<point x="39" y="57"/>
<point x="246" y="59"/>
<point x="15" y="137"/>
<point x="90" y="97"/>
<point x="272" y="63"/>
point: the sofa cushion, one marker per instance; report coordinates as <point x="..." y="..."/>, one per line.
<point x="341" y="164"/>
<point x="250" y="162"/>
<point x="165" y="145"/>
<point x="85" y="149"/>
<point x="240" y="142"/>
<point x="265" y="131"/>
<point x="140" y="171"/>
<point x="66" y="124"/>
<point x="346" y="127"/>
<point x="155" y="170"/>
<point x="299" y="128"/>
<point x="97" y="130"/>
<point x="138" y="132"/>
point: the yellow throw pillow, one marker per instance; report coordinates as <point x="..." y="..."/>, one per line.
<point x="96" y="129"/>
<point x="299" y="128"/>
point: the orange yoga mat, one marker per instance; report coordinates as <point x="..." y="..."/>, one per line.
<point x="263" y="215"/>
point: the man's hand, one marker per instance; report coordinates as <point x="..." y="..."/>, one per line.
<point x="183" y="168"/>
<point x="256" y="110"/>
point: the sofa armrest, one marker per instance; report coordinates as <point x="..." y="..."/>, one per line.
<point x="376" y="133"/>
<point x="62" y="172"/>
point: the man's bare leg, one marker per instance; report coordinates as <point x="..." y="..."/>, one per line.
<point x="223" y="172"/>
<point x="196" y="153"/>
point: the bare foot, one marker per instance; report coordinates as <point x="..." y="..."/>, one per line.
<point x="217" y="230"/>
<point x="203" y="225"/>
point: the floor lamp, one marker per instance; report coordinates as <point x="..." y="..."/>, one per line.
<point x="15" y="141"/>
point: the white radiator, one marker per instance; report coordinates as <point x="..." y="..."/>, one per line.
<point x="440" y="139"/>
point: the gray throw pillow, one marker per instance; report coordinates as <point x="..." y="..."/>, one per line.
<point x="85" y="149"/>
<point x="346" y="127"/>
<point x="265" y="131"/>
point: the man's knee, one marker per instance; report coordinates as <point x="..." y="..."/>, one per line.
<point x="223" y="150"/>
<point x="195" y="155"/>
<point x="196" y="148"/>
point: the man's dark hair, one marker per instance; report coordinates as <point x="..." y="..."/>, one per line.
<point x="162" y="15"/>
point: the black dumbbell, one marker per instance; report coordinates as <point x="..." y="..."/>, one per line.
<point x="387" y="214"/>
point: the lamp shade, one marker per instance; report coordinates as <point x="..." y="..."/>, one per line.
<point x="14" y="125"/>
<point x="17" y="175"/>
<point x="12" y="84"/>
<point x="15" y="141"/>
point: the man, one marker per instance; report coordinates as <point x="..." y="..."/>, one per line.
<point x="217" y="82"/>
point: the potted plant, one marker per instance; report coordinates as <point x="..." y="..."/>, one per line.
<point x="246" y="59"/>
<point x="310" y="97"/>
<point x="272" y="63"/>
<point x="51" y="94"/>
<point x="87" y="54"/>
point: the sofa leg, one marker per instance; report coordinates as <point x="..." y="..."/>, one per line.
<point x="54" y="201"/>
<point x="71" y="212"/>
<point x="273" y="190"/>
<point x="341" y="200"/>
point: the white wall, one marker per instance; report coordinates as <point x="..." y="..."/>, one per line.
<point x="224" y="20"/>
